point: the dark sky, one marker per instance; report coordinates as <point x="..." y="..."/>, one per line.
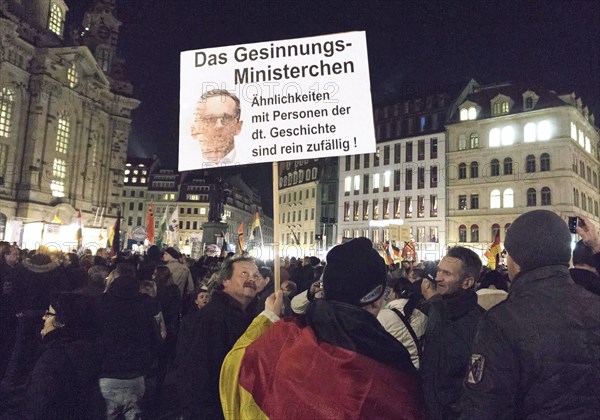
<point x="413" y="47"/>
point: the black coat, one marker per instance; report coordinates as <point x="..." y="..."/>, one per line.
<point x="129" y="333"/>
<point x="451" y="325"/>
<point x="586" y="279"/>
<point x="538" y="352"/>
<point x="64" y="381"/>
<point x="204" y="341"/>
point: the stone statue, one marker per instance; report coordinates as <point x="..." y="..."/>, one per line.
<point x="218" y="197"/>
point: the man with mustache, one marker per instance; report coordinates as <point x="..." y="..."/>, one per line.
<point x="213" y="332"/>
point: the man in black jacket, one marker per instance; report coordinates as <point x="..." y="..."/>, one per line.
<point x="212" y="332"/>
<point x="535" y="355"/>
<point x="453" y="314"/>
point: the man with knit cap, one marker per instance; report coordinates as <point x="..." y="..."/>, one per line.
<point x="536" y="355"/>
<point x="181" y="274"/>
<point x="339" y="363"/>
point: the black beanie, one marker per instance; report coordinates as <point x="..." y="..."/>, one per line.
<point x="355" y="273"/>
<point x="537" y="239"/>
<point x="173" y="252"/>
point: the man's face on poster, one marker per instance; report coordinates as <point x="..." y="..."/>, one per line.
<point x="217" y="122"/>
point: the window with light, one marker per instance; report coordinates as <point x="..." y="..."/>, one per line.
<point x="62" y="135"/>
<point x="7" y="99"/>
<point x="508" y="136"/>
<point x="544" y="130"/>
<point x="386" y="179"/>
<point x="72" y="75"/>
<point x="59" y="173"/>
<point x="55" y="22"/>
<point x="495" y="199"/>
<point x="472" y="113"/>
<point x="347" y="184"/>
<point x="356" y="183"/>
<point x="376" y="181"/>
<point x="508" y="198"/>
<point x="530" y="132"/>
<point x="494" y="137"/>
<point x="573" y="131"/>
<point x="464" y="114"/>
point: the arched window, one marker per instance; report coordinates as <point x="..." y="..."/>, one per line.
<point x="544" y="162"/>
<point x="462" y="171"/>
<point x="544" y="130"/>
<point x="462" y="142"/>
<point x="474" y="170"/>
<point x="495" y="167"/>
<point x="474" y="233"/>
<point x="462" y="233"/>
<point x="508" y="166"/>
<point x="529" y="132"/>
<point x="495" y="230"/>
<point x="590" y="202"/>
<point x="55" y="22"/>
<point x="472" y="113"/>
<point x="531" y="197"/>
<point x="73" y="75"/>
<point x="474" y="141"/>
<point x="464" y="114"/>
<point x="508" y="198"/>
<point x="7" y="100"/>
<point x="495" y="199"/>
<point x="546" y="197"/>
<point x="530" y="164"/>
<point x="583" y="202"/>
<point x="508" y="136"/>
<point x="494" y="137"/>
<point x="576" y="197"/>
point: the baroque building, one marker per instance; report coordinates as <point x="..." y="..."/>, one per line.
<point x="513" y="148"/>
<point x="65" y="116"/>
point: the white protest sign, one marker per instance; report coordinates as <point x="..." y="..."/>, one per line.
<point x="275" y="101"/>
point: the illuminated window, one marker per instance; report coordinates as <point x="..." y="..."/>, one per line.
<point x="375" y="182"/>
<point x="126" y="179"/>
<point x="529" y="134"/>
<point x="474" y="141"/>
<point x="495" y="199"/>
<point x="508" y="136"/>
<point x="581" y="139"/>
<point x="462" y="142"/>
<point x="508" y="198"/>
<point x="544" y="130"/>
<point x="386" y="180"/>
<point x="55" y="23"/>
<point x="573" y="131"/>
<point x="472" y="113"/>
<point x="347" y="184"/>
<point x="59" y="173"/>
<point x="4" y="162"/>
<point x="143" y="180"/>
<point x="62" y="135"/>
<point x="356" y="184"/>
<point x="73" y="76"/>
<point x="464" y="114"/>
<point x="127" y="171"/>
<point x="494" y="137"/>
<point x="7" y="99"/>
<point x="588" y="145"/>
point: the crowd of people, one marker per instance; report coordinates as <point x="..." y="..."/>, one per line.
<point x="88" y="336"/>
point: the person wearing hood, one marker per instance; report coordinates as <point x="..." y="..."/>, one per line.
<point x="64" y="380"/>
<point x="129" y="342"/>
<point x="536" y="355"/>
<point x="181" y="274"/>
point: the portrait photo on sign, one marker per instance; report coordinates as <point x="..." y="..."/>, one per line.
<point x="275" y="101"/>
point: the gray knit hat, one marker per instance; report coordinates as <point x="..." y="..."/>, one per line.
<point x="538" y="238"/>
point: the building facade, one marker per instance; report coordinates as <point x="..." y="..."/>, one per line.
<point x="515" y="148"/>
<point x="65" y="116"/>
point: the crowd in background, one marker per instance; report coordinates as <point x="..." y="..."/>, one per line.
<point x="89" y="336"/>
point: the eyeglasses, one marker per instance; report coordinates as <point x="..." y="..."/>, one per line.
<point x="226" y="119"/>
<point x="48" y="313"/>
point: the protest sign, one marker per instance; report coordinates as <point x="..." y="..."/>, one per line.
<point x="275" y="101"/>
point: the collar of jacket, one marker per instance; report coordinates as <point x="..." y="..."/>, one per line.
<point x="223" y="298"/>
<point x="355" y="329"/>
<point x="45" y="268"/>
<point x="530" y="279"/>
<point x="456" y="305"/>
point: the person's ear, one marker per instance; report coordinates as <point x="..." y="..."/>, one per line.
<point x="238" y="127"/>
<point x="468" y="283"/>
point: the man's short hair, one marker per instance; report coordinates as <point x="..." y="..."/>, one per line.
<point x="223" y="92"/>
<point x="226" y="270"/>
<point x="470" y="262"/>
<point x="98" y="274"/>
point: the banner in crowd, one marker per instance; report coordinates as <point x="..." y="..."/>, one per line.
<point x="275" y="101"/>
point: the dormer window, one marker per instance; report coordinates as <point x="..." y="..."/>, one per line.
<point x="501" y="104"/>
<point x="468" y="111"/>
<point x="55" y="20"/>
<point x="530" y="99"/>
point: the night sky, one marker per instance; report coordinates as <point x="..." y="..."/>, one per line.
<point x="414" y="47"/>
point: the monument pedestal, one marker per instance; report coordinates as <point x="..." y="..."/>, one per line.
<point x="212" y="231"/>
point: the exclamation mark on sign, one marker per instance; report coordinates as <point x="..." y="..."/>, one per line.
<point x="354" y="141"/>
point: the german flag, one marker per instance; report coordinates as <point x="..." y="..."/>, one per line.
<point x="356" y="386"/>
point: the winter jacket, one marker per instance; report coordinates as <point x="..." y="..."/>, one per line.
<point x="201" y="349"/>
<point x="35" y="284"/>
<point x="129" y="334"/>
<point x="586" y="279"/>
<point x="64" y="381"/>
<point x="537" y="354"/>
<point x="181" y="277"/>
<point x="395" y="326"/>
<point x="451" y="325"/>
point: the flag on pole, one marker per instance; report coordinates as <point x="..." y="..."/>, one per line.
<point x="79" y="233"/>
<point x="395" y="251"/>
<point x="240" y="239"/>
<point x="150" y="223"/>
<point x="409" y="252"/>
<point x="493" y="252"/>
<point x="389" y="260"/>
<point x="173" y="228"/>
<point x="115" y="236"/>
<point x="162" y="230"/>
<point x="256" y="222"/>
